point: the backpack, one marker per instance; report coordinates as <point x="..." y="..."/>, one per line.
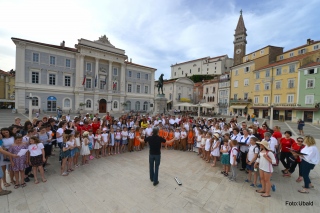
<point x="238" y="155"/>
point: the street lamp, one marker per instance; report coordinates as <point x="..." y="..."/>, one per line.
<point x="271" y="116"/>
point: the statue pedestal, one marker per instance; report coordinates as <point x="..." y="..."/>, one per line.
<point x="160" y="104"/>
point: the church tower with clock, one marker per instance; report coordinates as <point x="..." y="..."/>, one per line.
<point x="240" y="41"/>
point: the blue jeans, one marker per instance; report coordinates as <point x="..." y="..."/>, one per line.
<point x="154" y="163"/>
<point x="305" y="169"/>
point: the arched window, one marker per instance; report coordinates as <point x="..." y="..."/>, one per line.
<point x="213" y="99"/>
<point x="35" y="101"/>
<point x="145" y="106"/>
<point x="204" y="97"/>
<point x="66" y="103"/>
<point x="208" y="99"/>
<point x="137" y="106"/>
<point x="128" y="106"/>
<point x="88" y="104"/>
<point x="115" y="104"/>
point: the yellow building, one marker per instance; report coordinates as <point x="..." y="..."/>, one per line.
<point x="275" y="85"/>
<point x="7" y="94"/>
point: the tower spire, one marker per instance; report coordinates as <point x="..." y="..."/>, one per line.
<point x="241" y="29"/>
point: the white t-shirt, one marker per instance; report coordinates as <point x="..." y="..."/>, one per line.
<point x="312" y="154"/>
<point x="131" y="135"/>
<point x="243" y="140"/>
<point x="176" y="135"/>
<point x="264" y="164"/>
<point x="77" y="141"/>
<point x="253" y="149"/>
<point x="124" y="135"/>
<point x="35" y="149"/>
<point x="234" y="152"/>
<point x="148" y="131"/>
<point x="69" y="143"/>
<point x="105" y="137"/>
<point x="171" y="121"/>
<point x="183" y="134"/>
<point x="272" y="143"/>
<point x="236" y="137"/>
<point x="60" y="139"/>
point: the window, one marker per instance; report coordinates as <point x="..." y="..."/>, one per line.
<point x="35" y="101"/>
<point x="302" y="51"/>
<point x="199" y="69"/>
<point x="246" y="82"/>
<point x="257" y="87"/>
<point x="175" y="73"/>
<point x="88" y="103"/>
<point x="291" y="83"/>
<point x="235" y="96"/>
<point x="129" y="73"/>
<point x="309" y="99"/>
<point x="102" y="83"/>
<point x="266" y="86"/>
<point x="261" y="52"/>
<point x="256" y="99"/>
<point x="52" y="79"/>
<point x="115" y="104"/>
<point x="235" y="84"/>
<point x="266" y="99"/>
<point x="267" y="73"/>
<point x="291" y="54"/>
<point x="213" y="90"/>
<point x="281" y="57"/>
<point x="88" y="67"/>
<point x="68" y="63"/>
<point x="115" y="71"/>
<point x="315" y="47"/>
<point x="257" y="75"/>
<point x="52" y="60"/>
<point x="170" y="96"/>
<point x="278" y="72"/>
<point x="246" y="69"/>
<point x="138" y="88"/>
<point x="128" y="107"/>
<point x="66" y="103"/>
<point x="137" y="106"/>
<point x="146" y="89"/>
<point x="246" y="58"/>
<point x="67" y="81"/>
<point x="190" y="70"/>
<point x="311" y="71"/>
<point x="290" y="98"/>
<point x="138" y="75"/>
<point x="129" y="87"/>
<point x="277" y="99"/>
<point x="236" y="72"/>
<point x="245" y="96"/>
<point x="145" y="106"/>
<point x="146" y="76"/>
<point x="35" y="77"/>
<point x="253" y="55"/>
<point x="88" y="83"/>
<point x="278" y="84"/>
<point x="182" y="72"/>
<point x="310" y="83"/>
<point x="292" y="68"/>
<point x="35" y="57"/>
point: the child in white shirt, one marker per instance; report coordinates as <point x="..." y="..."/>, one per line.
<point x="251" y="159"/>
<point x="124" y="135"/>
<point x="233" y="159"/>
<point x="104" y="142"/>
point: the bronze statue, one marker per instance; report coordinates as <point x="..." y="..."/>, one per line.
<point x="160" y="84"/>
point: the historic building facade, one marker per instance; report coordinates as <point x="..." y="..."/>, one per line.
<point x="7" y="90"/>
<point x="210" y="95"/>
<point x="202" y="66"/>
<point x="224" y="94"/>
<point x="95" y="76"/>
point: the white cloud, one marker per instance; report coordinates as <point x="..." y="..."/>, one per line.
<point x="156" y="33"/>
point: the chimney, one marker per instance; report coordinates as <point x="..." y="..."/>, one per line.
<point x="308" y="41"/>
<point x="62" y="44"/>
<point x="130" y="60"/>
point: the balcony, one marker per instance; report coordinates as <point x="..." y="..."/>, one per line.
<point x="222" y="104"/>
<point x="240" y="101"/>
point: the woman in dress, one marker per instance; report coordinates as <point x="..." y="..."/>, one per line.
<point x="7" y="141"/>
<point x="19" y="164"/>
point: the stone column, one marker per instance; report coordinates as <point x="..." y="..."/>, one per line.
<point x="20" y="96"/>
<point x="110" y="77"/>
<point x="96" y="76"/>
<point x="79" y="88"/>
<point x="123" y="79"/>
<point x="152" y="83"/>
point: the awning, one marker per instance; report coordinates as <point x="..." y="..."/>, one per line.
<point x="260" y="107"/>
<point x="186" y="104"/>
<point x="207" y="105"/>
<point x="306" y="109"/>
<point x="238" y="106"/>
<point x="169" y="102"/>
<point x="7" y="100"/>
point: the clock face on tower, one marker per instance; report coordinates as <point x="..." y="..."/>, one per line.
<point x="238" y="51"/>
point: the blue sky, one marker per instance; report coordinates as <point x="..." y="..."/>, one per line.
<point x="158" y="33"/>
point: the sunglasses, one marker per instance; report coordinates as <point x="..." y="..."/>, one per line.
<point x="300" y="141"/>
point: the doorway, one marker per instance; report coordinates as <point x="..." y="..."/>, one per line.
<point x="308" y="116"/>
<point x="51" y="104"/>
<point x="275" y="114"/>
<point x="265" y="113"/>
<point x="288" y="115"/>
<point x="102" y="106"/>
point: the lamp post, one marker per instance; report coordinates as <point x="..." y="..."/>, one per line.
<point x="271" y="116"/>
<point x="198" y="109"/>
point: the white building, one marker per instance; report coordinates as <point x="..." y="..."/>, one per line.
<point x="94" y="76"/>
<point x="224" y="94"/>
<point x="177" y="91"/>
<point x="202" y="66"/>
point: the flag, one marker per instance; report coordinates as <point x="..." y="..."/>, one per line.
<point x="95" y="81"/>
<point x="114" y="85"/>
<point x="84" y="80"/>
<point x="105" y="81"/>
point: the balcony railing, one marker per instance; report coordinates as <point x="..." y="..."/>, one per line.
<point x="241" y="101"/>
<point x="222" y="104"/>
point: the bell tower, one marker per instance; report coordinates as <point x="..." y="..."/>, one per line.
<point x="240" y="41"/>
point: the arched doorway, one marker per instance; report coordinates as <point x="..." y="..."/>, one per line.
<point x="102" y="106"/>
<point x="51" y="104"/>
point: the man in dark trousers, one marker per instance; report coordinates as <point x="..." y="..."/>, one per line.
<point x="155" y="154"/>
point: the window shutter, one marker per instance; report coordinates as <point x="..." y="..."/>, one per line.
<point x="305" y="72"/>
<point x="315" y="70"/>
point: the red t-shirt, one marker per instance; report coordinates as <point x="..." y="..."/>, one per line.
<point x="298" y="148"/>
<point x="86" y="128"/>
<point x="286" y="143"/>
<point x="277" y="134"/>
<point x="95" y="126"/>
<point x="261" y="132"/>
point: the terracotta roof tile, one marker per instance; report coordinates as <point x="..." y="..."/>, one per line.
<point x="312" y="64"/>
<point x="288" y="60"/>
<point x="305" y="45"/>
<point x="4" y="73"/>
<point x="198" y="60"/>
<point x="48" y="45"/>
